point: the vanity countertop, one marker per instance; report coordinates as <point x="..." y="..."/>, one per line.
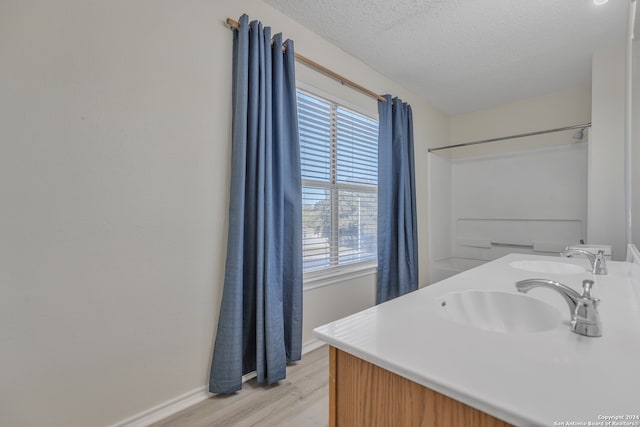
<point x="547" y="378"/>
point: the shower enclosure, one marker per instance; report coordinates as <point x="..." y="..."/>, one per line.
<point x="482" y="207"/>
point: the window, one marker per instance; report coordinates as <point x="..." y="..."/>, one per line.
<point x="339" y="159"/>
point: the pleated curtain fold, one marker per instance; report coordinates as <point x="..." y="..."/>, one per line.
<point x="260" y="322"/>
<point x="397" y="220"/>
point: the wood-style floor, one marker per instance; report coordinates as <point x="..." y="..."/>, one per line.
<point x="300" y="400"/>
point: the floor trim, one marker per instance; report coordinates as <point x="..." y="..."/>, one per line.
<point x="175" y="405"/>
<point x="311" y="345"/>
<point x="166" y="409"/>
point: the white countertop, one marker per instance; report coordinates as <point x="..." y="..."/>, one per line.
<point x="527" y="379"/>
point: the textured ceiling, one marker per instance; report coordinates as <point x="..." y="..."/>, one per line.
<point x="465" y="55"/>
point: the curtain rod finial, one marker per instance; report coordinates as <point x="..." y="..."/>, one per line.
<point x="232" y="23"/>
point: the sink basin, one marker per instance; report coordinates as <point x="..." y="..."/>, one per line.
<point x="498" y="311"/>
<point x="547" y="267"/>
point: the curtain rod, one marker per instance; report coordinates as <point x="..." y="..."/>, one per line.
<point x="324" y="70"/>
<point x="520" y="135"/>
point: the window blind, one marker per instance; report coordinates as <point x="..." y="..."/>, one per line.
<point x="339" y="160"/>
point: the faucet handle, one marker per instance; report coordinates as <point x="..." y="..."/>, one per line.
<point x="586" y="288"/>
<point x="586" y="320"/>
<point x="587" y="285"/>
<point x="600" y="263"/>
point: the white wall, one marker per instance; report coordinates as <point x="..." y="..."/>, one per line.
<point x="606" y="211"/>
<point x="114" y="175"/>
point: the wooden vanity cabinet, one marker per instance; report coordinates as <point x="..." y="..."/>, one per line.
<point x="363" y="394"/>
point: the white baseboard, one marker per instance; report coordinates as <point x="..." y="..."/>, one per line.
<point x="165" y="409"/>
<point x="190" y="398"/>
<point x="311" y="345"/>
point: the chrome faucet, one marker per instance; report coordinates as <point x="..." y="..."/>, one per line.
<point x="585" y="319"/>
<point x="598" y="263"/>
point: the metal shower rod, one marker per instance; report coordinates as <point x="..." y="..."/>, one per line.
<point x="520" y="135"/>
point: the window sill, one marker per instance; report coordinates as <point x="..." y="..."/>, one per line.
<point x="318" y="279"/>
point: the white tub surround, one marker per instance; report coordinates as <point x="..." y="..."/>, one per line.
<point x="485" y="207"/>
<point x="527" y="379"/>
